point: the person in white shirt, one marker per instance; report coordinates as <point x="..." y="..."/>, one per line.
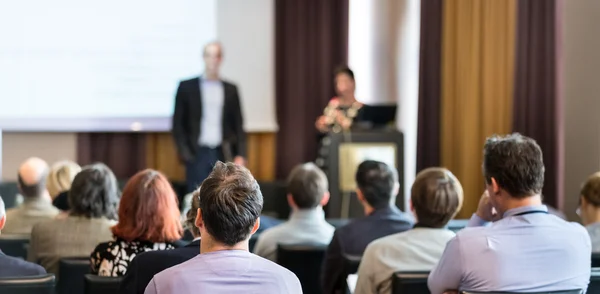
<point x="436" y="197"/>
<point x="307" y="194"/>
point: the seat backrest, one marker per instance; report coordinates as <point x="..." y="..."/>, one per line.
<point x="304" y="260"/>
<point x="101" y="285"/>
<point x="552" y="292"/>
<point x="71" y="272"/>
<point x="410" y="282"/>
<point x="594" y="286"/>
<point x="28" y="285"/>
<point x="351" y="263"/>
<point x="14" y="246"/>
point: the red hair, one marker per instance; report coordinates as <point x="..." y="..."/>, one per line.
<point x="148" y="210"/>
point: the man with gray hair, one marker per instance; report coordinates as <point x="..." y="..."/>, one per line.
<point x="307" y="194"/>
<point x="12" y="266"/>
<point x="37" y="205"/>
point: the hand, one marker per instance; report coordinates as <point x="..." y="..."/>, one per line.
<point x="451" y="292"/>
<point x="485" y="210"/>
<point x="321" y="124"/>
<point x="238" y="160"/>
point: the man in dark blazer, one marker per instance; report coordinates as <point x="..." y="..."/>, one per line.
<point x="144" y="266"/>
<point x="207" y="122"/>
<point x="12" y="266"/>
<point x="377" y="185"/>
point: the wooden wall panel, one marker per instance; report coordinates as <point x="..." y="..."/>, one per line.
<point x="162" y="155"/>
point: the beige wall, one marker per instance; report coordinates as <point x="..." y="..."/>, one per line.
<point x="51" y="147"/>
<point x="581" y="61"/>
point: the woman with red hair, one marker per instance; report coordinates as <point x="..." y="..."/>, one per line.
<point x="148" y="220"/>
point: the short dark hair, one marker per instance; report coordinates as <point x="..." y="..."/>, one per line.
<point x="33" y="190"/>
<point x="307" y="184"/>
<point x="436" y="197"/>
<point x="343" y="70"/>
<point x="94" y="193"/>
<point x="231" y="202"/>
<point x="376" y="180"/>
<point x="516" y="162"/>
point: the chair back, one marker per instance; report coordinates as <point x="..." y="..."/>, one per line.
<point x="551" y="292"/>
<point x="410" y="282"/>
<point x="28" y="285"/>
<point x="351" y="263"/>
<point x="594" y="286"/>
<point x="71" y="272"/>
<point x="14" y="246"/>
<point x="304" y="260"/>
<point x="101" y="285"/>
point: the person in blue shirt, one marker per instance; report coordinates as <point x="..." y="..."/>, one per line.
<point x="512" y="244"/>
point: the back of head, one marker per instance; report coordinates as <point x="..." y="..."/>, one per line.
<point x="591" y="189"/>
<point x="148" y="210"/>
<point x="516" y="163"/>
<point x="377" y="182"/>
<point x="230" y="202"/>
<point x="307" y="184"/>
<point x="61" y="176"/>
<point x="32" y="177"/>
<point x="436" y="197"/>
<point x="94" y="193"/>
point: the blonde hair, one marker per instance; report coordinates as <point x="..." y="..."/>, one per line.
<point x="61" y="176"/>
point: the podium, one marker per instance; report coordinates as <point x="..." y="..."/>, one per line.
<point x="344" y="152"/>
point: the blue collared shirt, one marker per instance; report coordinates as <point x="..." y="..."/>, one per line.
<point x="211" y="126"/>
<point x="528" y="250"/>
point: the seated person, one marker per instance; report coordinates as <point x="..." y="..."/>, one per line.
<point x="589" y="209"/>
<point x="230" y="206"/>
<point x="12" y="266"/>
<point x="60" y="178"/>
<point x="526" y="249"/>
<point x="93" y="199"/>
<point x="377" y="189"/>
<point x="307" y="194"/>
<point x="148" y="221"/>
<point x="436" y="196"/>
<point x="147" y="264"/>
<point x="37" y="206"/>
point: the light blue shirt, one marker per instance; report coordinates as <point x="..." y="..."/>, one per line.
<point x="594" y="231"/>
<point x="211" y="126"/>
<point x="522" y="252"/>
<point x="304" y="226"/>
<point x="225" y="271"/>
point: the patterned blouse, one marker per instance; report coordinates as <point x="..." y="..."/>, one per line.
<point x="111" y="259"/>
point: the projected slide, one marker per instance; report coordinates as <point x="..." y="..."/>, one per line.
<point x="69" y="59"/>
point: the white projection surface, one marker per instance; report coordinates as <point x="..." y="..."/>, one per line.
<point x="69" y="65"/>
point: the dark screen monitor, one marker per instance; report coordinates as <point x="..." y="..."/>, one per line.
<point x="376" y="116"/>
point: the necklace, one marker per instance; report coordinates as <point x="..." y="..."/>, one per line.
<point x="338" y="119"/>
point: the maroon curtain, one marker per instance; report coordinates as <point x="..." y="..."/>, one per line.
<point x="537" y="101"/>
<point x="311" y="39"/>
<point x="124" y="153"/>
<point x="428" y="134"/>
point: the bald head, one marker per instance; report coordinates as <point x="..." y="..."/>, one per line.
<point x="32" y="177"/>
<point x="213" y="55"/>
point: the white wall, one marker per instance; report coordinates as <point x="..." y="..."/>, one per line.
<point x="581" y="64"/>
<point x="384" y="54"/>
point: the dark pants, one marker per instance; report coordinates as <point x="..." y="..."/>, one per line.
<point x="201" y="166"/>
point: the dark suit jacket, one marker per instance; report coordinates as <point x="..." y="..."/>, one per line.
<point x="16" y="267"/>
<point x="144" y="266"/>
<point x="353" y="238"/>
<point x="188" y="115"/>
<point x="62" y="201"/>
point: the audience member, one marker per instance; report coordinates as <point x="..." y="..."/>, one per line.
<point x="37" y="206"/>
<point x="436" y="196"/>
<point x="307" y="194"/>
<point x="93" y="199"/>
<point x="148" y="221"/>
<point x="60" y="178"/>
<point x="147" y="264"/>
<point x="526" y="249"/>
<point x="230" y="205"/>
<point x="589" y="209"/>
<point x="12" y="266"/>
<point x="377" y="187"/>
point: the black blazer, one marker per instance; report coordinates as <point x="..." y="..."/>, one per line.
<point x="353" y="238"/>
<point x="16" y="267"/>
<point x="144" y="266"/>
<point x="188" y="115"/>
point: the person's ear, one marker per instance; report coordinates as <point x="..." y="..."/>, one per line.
<point x="2" y="222"/>
<point x="290" y="201"/>
<point x="495" y="186"/>
<point x="199" y="222"/>
<point x="325" y="199"/>
<point x="256" y="226"/>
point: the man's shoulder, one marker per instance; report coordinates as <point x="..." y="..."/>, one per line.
<point x="195" y="80"/>
<point x="20" y="267"/>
